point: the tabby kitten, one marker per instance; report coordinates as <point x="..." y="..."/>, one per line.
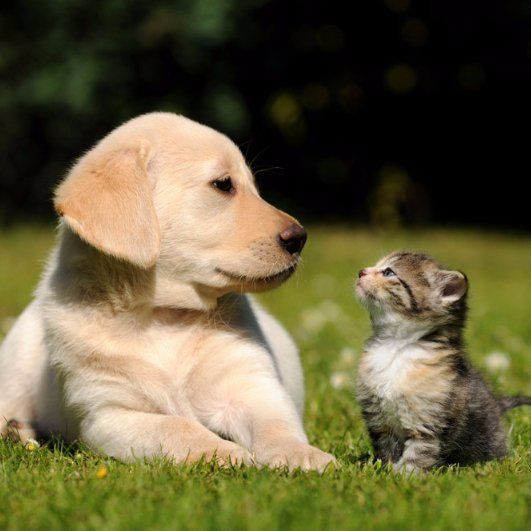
<point x="423" y="402"/>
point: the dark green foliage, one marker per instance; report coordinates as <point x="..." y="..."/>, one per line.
<point x="391" y="111"/>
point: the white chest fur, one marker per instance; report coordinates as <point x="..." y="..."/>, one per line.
<point x="387" y="365"/>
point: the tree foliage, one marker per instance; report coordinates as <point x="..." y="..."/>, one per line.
<point x="390" y="111"/>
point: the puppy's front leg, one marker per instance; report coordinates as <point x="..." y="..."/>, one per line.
<point x="255" y="410"/>
<point x="128" y="435"/>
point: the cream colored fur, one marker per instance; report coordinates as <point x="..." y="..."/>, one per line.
<point x="140" y="341"/>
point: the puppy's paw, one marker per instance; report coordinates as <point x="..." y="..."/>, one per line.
<point x="19" y="431"/>
<point x="224" y="453"/>
<point x="296" y="455"/>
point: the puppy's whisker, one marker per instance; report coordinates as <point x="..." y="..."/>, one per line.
<point x="264" y="170"/>
<point x="260" y="153"/>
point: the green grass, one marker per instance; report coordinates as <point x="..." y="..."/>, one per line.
<point x="57" y="487"/>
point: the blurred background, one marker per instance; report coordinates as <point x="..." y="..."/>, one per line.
<point x="386" y="112"/>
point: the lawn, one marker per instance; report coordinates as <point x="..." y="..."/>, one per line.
<point x="59" y="487"/>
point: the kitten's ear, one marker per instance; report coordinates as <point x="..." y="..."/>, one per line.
<point x="107" y="200"/>
<point x="453" y="285"/>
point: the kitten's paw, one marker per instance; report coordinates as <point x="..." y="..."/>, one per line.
<point x="407" y="469"/>
<point x="295" y="455"/>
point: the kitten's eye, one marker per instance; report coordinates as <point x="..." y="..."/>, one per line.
<point x="388" y="272"/>
<point x="224" y="185"/>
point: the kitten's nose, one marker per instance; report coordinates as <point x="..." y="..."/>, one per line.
<point x="362" y="273"/>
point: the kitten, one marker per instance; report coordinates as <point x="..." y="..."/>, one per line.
<point x="423" y="402"/>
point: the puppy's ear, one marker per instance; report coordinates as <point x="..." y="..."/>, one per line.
<point x="107" y="200"/>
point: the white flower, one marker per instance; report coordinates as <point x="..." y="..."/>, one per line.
<point x="330" y="309"/>
<point x="497" y="361"/>
<point x="31" y="445"/>
<point x="340" y="380"/>
<point x="313" y="319"/>
<point x="347" y="356"/>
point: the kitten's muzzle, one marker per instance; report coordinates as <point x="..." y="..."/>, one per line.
<point x="361" y="287"/>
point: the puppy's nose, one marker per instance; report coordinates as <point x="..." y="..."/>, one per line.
<point x="293" y="238"/>
<point x="362" y="273"/>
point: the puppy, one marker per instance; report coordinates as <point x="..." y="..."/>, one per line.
<point x="139" y="341"/>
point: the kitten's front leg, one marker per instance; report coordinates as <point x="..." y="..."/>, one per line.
<point x="420" y="453"/>
<point x="387" y="446"/>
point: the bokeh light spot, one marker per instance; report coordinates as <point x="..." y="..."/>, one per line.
<point x="332" y="170"/>
<point x="397" y="199"/>
<point x="284" y="109"/>
<point x="398" y="6"/>
<point x="286" y="113"/>
<point x="414" y="32"/>
<point x="350" y="97"/>
<point x="471" y="77"/>
<point x="315" y="96"/>
<point x="389" y="195"/>
<point x="304" y="39"/>
<point x="401" y="78"/>
<point x="330" y="38"/>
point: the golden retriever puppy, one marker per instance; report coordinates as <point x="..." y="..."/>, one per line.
<point x="140" y="341"/>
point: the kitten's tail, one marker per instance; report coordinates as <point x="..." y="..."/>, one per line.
<point x="509" y="402"/>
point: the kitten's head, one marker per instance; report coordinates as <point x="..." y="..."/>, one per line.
<point x="414" y="288"/>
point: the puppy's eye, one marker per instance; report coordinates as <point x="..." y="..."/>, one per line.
<point x="224" y="185"/>
<point x="388" y="272"/>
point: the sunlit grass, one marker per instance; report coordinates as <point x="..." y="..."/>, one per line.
<point x="56" y="486"/>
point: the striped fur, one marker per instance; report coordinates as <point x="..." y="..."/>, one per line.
<point x="423" y="403"/>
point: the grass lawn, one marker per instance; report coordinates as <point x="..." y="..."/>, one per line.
<point x="56" y="487"/>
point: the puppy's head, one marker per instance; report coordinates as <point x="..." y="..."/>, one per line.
<point x="164" y="192"/>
